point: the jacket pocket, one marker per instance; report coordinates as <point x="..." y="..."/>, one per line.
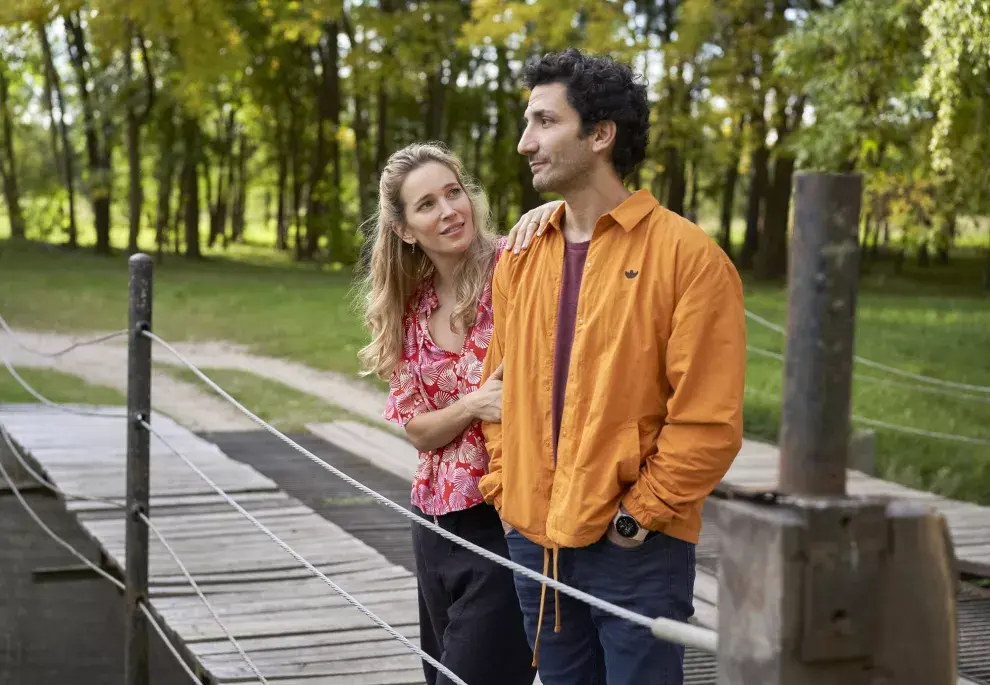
<point x="629" y="454"/>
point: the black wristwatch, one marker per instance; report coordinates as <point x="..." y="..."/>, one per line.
<point x="627" y="526"/>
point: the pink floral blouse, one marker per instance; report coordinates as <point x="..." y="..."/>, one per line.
<point x="429" y="378"/>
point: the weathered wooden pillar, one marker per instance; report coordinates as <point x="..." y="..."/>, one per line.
<point x="817" y="587"/>
<point x="138" y="469"/>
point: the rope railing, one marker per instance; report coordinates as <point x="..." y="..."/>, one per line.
<point x="64" y="351"/>
<point x="152" y="619"/>
<point x="663" y="628"/>
<point x="879" y="365"/>
<point x="666" y="629"/>
<point x="929" y="389"/>
<point x="48" y="485"/>
<point x="303" y="561"/>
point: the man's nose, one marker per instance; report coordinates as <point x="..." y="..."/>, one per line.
<point x="527" y="145"/>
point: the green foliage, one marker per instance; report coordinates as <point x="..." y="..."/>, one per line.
<point x="958" y="52"/>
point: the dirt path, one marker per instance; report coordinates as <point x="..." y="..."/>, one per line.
<point x="193" y="405"/>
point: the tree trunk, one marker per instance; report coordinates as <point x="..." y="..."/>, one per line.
<point x="676" y="185"/>
<point x="281" y="228"/>
<point x="381" y="140"/>
<point x="296" y="171"/>
<point x="220" y="203"/>
<point x="166" y="178"/>
<point x="337" y="250"/>
<point x="8" y="160"/>
<point x="986" y="265"/>
<point x="67" y="164"/>
<point x="323" y="196"/>
<point x="757" y="192"/>
<point x="135" y="198"/>
<point x="190" y="186"/>
<point x="100" y="173"/>
<point x="479" y="147"/>
<point x="49" y="91"/>
<point x="362" y="157"/>
<point x="237" y="216"/>
<point x="947" y="239"/>
<point x="435" y="104"/>
<point x="728" y="202"/>
<point x="771" y="258"/>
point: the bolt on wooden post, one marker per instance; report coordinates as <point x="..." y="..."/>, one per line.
<point x="138" y="469"/>
<point x="817" y="587"/>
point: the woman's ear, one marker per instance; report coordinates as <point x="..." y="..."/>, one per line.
<point x="403" y="233"/>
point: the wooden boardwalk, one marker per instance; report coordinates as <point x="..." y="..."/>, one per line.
<point x="295" y="628"/>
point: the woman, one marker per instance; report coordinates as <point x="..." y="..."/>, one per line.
<point x="428" y="307"/>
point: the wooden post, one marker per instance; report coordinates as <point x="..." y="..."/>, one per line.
<point x="822" y="279"/>
<point x="816" y="587"/>
<point x="138" y="468"/>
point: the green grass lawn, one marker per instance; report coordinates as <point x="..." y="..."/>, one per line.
<point x="933" y="321"/>
<point x="283" y="407"/>
<point x="56" y="386"/>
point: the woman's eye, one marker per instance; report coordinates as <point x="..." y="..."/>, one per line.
<point x="426" y="205"/>
<point x="454" y="192"/>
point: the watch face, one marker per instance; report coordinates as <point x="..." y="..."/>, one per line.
<point x="626" y="526"/>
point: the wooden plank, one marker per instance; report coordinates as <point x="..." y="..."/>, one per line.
<point x="308" y="624"/>
<point x="229" y="586"/>
<point x="410" y="677"/>
<point x="243" y="606"/>
<point x="261" y="645"/>
<point x="386" y="577"/>
<point x="311" y="654"/>
<point x="397" y="662"/>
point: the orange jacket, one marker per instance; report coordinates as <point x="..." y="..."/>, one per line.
<point x="653" y="412"/>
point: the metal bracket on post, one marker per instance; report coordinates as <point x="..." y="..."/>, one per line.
<point x="138" y="468"/>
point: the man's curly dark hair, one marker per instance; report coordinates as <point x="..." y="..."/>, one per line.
<point x="600" y="89"/>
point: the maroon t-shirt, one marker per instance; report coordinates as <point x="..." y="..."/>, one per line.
<point x="570" y="287"/>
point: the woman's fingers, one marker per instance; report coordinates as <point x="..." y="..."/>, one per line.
<point x="510" y="240"/>
<point x="527" y="232"/>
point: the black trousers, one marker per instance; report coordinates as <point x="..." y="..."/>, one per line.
<point x="469" y="614"/>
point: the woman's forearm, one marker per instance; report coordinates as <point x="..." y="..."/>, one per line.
<point x="434" y="429"/>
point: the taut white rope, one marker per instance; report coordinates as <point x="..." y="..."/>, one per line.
<point x="663" y="628"/>
<point x="302" y="560"/>
<point x="44" y="482"/>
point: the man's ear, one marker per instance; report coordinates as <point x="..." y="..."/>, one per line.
<point x="603" y="137"/>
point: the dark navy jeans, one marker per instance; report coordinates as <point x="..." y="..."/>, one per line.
<point x="593" y="647"/>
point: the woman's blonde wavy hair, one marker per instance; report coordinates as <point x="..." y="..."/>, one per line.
<point x="396" y="269"/>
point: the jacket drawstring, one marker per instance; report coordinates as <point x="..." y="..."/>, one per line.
<point x="543" y="596"/>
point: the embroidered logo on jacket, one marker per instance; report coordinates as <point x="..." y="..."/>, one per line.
<point x="632" y="274"/>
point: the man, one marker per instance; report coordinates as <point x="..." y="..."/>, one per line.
<point x="622" y="337"/>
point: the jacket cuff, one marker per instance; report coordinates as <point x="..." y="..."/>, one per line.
<point x="491" y="489"/>
<point x="643" y="508"/>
